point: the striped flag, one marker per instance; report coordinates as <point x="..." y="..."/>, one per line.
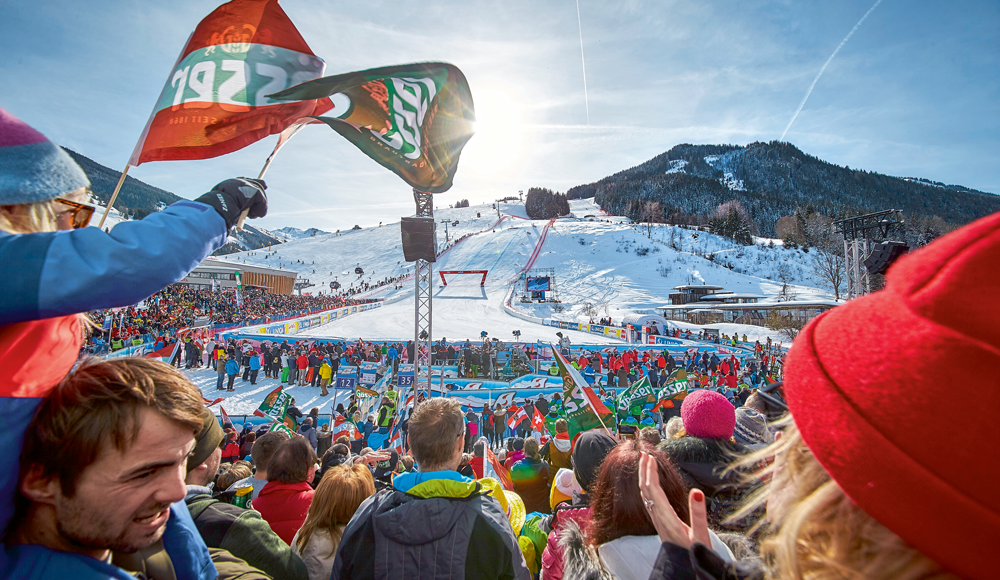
<point x="215" y="100"/>
<point x="226" y="422"/>
<point x="343" y="427"/>
<point x="516" y="418"/>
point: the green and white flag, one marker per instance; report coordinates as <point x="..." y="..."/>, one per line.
<point x="275" y="405"/>
<point x="633" y="398"/>
<point x="281" y="428"/>
<point x="676" y="383"/>
<point x="583" y="408"/>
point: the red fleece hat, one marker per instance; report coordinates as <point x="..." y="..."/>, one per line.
<point x="893" y="394"/>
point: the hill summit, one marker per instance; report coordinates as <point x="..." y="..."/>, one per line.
<point x="771" y="180"/>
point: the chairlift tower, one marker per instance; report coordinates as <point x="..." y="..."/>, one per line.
<point x="302" y="283"/>
<point x="860" y="234"/>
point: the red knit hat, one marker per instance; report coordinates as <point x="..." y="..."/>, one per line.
<point x="708" y="414"/>
<point x="896" y="394"/>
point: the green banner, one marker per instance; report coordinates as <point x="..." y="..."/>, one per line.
<point x="676" y="384"/>
<point x="413" y="119"/>
<point x="274" y="405"/>
<point x="584" y="411"/>
<point x="631" y="401"/>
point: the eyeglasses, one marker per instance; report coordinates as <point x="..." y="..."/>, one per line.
<point x="80" y="214"/>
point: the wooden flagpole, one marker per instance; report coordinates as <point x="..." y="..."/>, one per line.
<point x="114" y="196"/>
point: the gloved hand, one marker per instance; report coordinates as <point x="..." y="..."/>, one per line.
<point x="232" y="196"/>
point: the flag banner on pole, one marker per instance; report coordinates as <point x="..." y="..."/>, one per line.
<point x="584" y="410"/>
<point x="226" y="421"/>
<point x="631" y="401"/>
<point x="215" y="99"/>
<point x="538" y="422"/>
<point x="274" y="405"/>
<point x="516" y="418"/>
<point x="413" y="119"/>
<point x="343" y="427"/>
<point x="281" y="428"/>
<point x="210" y="403"/>
<point x="363" y="393"/>
<point x="676" y="383"/>
<point x="395" y="443"/>
<point x="493" y="468"/>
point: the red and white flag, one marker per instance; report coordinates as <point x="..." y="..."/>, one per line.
<point x="345" y="427"/>
<point x="226" y="422"/>
<point x="395" y="443"/>
<point x="516" y="418"/>
<point x="215" y="100"/>
<point x="210" y="403"/>
<point x="493" y="468"/>
<point x="538" y="422"/>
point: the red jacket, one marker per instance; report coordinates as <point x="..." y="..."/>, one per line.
<point x="302" y="362"/>
<point x="284" y="507"/>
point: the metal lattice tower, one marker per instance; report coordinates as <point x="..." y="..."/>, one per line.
<point x="423" y="274"/>
<point x="860" y="234"/>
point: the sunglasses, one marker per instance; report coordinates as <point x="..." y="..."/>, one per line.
<point x="774" y="394"/>
<point x="80" y="214"/>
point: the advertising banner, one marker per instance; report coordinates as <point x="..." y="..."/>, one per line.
<point x="368" y="373"/>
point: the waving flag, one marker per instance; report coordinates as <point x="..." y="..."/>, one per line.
<point x="538" y="422"/>
<point x="215" y="99"/>
<point x="394" y="443"/>
<point x="493" y="468"/>
<point x="516" y="418"/>
<point x="413" y="119"/>
<point x="226" y="421"/>
<point x="345" y="428"/>
<point x="210" y="403"/>
<point x="584" y="410"/>
<point x="631" y="401"/>
<point x="274" y="405"/>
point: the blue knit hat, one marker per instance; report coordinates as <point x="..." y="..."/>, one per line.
<point x="32" y="168"/>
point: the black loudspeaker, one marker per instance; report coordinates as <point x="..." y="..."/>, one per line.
<point x="883" y="256"/>
<point x="418" y="239"/>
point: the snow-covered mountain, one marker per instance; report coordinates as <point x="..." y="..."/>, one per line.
<point x="291" y="233"/>
<point x="603" y="266"/>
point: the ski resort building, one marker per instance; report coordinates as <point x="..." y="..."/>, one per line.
<point x="215" y="273"/>
<point x="703" y="304"/>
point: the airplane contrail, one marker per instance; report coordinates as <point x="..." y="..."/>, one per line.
<point x="826" y="64"/>
<point x="586" y="100"/>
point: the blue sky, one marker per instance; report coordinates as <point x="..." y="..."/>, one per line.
<point x="914" y="92"/>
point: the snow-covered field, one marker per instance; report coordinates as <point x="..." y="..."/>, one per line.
<point x="604" y="265"/>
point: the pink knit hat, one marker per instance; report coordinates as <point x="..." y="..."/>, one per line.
<point x="708" y="414"/>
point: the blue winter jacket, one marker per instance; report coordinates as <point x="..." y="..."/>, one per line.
<point x="55" y="274"/>
<point x="232" y="367"/>
<point x="255" y="362"/>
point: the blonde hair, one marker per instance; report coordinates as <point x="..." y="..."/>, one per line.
<point x="338" y="495"/>
<point x="28" y="218"/>
<point x="820" y="533"/>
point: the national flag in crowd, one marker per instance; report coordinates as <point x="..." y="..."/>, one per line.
<point x="343" y="427"/>
<point x="493" y="468"/>
<point x="210" y="403"/>
<point x="395" y="443"/>
<point x="275" y="405"/>
<point x="538" y="422"/>
<point x="215" y="100"/>
<point x="226" y="422"/>
<point x="412" y="119"/>
<point x="165" y="354"/>
<point x="584" y="410"/>
<point x="516" y="418"/>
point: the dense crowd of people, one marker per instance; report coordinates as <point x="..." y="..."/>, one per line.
<point x="857" y="465"/>
<point x="179" y="305"/>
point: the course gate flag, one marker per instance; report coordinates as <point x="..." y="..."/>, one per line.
<point x="215" y="99"/>
<point x="413" y="119"/>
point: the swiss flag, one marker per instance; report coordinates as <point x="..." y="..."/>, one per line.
<point x="517" y="417"/>
<point x="538" y="422"/>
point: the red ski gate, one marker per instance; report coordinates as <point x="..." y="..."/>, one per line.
<point x="481" y="282"/>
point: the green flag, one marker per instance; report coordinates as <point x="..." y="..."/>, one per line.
<point x="282" y="428"/>
<point x="632" y="399"/>
<point x="413" y="119"/>
<point x="676" y="384"/>
<point x="584" y="410"/>
<point x="274" y="405"/>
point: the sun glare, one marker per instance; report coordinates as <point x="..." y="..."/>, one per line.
<point x="498" y="140"/>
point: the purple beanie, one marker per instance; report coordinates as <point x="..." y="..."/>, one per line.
<point x="708" y="414"/>
<point x="32" y="168"/>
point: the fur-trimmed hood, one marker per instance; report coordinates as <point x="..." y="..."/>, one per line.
<point x="701" y="461"/>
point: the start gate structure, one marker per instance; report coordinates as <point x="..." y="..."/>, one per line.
<point x="481" y="282"/>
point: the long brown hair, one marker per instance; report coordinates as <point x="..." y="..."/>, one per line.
<point x="616" y="506"/>
<point x="338" y="495"/>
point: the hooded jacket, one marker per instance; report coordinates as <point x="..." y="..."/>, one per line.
<point x="430" y="525"/>
<point x="284" y="506"/>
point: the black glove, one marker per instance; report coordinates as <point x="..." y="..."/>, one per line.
<point x="232" y="196"/>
